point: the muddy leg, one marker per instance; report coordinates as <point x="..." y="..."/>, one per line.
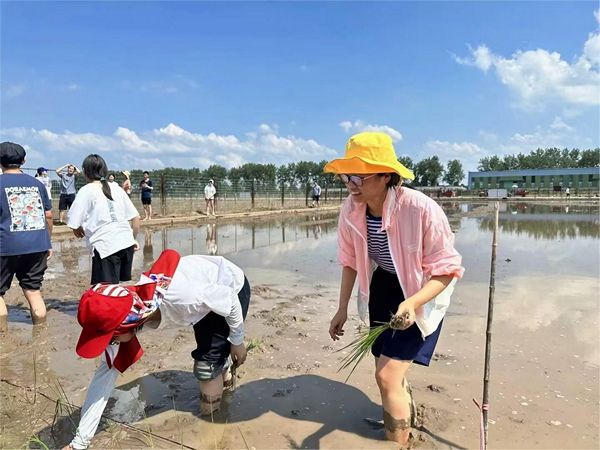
<point x="210" y="395"/>
<point x="3" y="316"/>
<point x="36" y="305"/>
<point x="395" y="398"/>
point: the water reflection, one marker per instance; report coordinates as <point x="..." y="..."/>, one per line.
<point x="148" y="251"/>
<point x="547" y="221"/>
<point x="211" y="238"/>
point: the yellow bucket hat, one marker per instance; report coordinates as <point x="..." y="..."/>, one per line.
<point x="369" y="152"/>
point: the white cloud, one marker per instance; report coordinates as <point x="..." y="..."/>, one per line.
<point x="358" y="125"/>
<point x="559" y="124"/>
<point x="73" y="87"/>
<point x="454" y="150"/>
<point x="168" y="146"/>
<point x="538" y="77"/>
<point x="14" y="90"/>
<point x="558" y="134"/>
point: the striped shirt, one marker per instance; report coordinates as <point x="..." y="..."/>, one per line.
<point x="379" y="250"/>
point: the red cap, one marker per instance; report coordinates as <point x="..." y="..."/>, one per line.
<point x="166" y="263"/>
<point x="102" y="308"/>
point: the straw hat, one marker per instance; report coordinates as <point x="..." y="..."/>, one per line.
<point x="369" y="152"/>
<point x="127" y="173"/>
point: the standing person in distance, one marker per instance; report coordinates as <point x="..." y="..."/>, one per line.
<point x="25" y="230"/>
<point x="101" y="213"/>
<point x="316" y="194"/>
<point x="209" y="195"/>
<point x="42" y="176"/>
<point x="146" y="187"/>
<point x="67" y="189"/>
<point x="407" y="236"/>
<point x="127" y="183"/>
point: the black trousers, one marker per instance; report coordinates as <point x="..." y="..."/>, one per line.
<point x="212" y="331"/>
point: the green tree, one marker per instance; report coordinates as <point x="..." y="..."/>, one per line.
<point x="454" y="173"/>
<point x="407" y="162"/>
<point x="589" y="158"/>
<point x="428" y="171"/>
<point x="215" y="172"/>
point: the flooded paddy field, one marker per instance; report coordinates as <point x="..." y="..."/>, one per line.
<point x="545" y="346"/>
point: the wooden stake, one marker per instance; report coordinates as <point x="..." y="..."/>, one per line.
<point x="488" y="331"/>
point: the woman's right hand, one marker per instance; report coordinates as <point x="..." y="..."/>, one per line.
<point x="336" y="328"/>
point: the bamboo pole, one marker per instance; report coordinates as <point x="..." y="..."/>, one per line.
<point x="488" y="331"/>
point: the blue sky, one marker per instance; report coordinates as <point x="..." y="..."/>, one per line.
<point x="195" y="83"/>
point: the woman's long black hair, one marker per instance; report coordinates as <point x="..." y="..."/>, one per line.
<point x="95" y="168"/>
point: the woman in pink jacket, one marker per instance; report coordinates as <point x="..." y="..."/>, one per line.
<point x="406" y="235"/>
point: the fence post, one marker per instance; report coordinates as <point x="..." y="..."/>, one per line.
<point x="282" y="193"/>
<point x="326" y="192"/>
<point x="163" y="192"/>
<point x="252" y="194"/>
<point x="306" y="194"/>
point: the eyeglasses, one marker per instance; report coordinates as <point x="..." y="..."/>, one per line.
<point x="356" y="180"/>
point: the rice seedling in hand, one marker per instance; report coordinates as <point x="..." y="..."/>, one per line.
<point x="366" y="337"/>
<point x="360" y="346"/>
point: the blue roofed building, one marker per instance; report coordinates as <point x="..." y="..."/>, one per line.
<point x="580" y="178"/>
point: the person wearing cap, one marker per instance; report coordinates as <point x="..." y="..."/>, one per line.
<point x="208" y="292"/>
<point x="42" y="175"/>
<point x="67" y="189"/>
<point x="25" y="230"/>
<point x="407" y="237"/>
<point x="104" y="214"/>
<point x="209" y="195"/>
<point x="127" y="183"/>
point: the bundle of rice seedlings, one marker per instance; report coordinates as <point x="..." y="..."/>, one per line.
<point x="360" y="346"/>
<point x="365" y="338"/>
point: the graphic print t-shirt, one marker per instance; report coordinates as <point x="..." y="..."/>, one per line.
<point x="23" y="203"/>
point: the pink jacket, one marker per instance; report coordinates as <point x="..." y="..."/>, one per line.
<point x="421" y="246"/>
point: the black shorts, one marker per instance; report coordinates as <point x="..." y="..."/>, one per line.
<point x="29" y="269"/>
<point x="146" y="200"/>
<point x="114" y="268"/>
<point x="408" y="345"/>
<point x="316" y="198"/>
<point x="65" y="201"/>
<point x="212" y="346"/>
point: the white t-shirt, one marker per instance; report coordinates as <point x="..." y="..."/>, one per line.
<point x="105" y="222"/>
<point x="209" y="191"/>
<point x="202" y="284"/>
<point x="47" y="183"/>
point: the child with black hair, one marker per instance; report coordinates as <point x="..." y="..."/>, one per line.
<point x="101" y="213"/>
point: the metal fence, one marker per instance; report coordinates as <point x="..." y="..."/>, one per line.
<point x="185" y="195"/>
<point x="177" y="195"/>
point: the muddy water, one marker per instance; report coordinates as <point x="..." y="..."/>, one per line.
<point x="545" y="354"/>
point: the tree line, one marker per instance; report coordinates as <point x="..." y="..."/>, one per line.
<point x="543" y="158"/>
<point x="428" y="172"/>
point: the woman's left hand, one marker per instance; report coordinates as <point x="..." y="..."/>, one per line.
<point x="404" y="317"/>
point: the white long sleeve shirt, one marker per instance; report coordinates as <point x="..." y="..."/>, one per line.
<point x="200" y="284"/>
